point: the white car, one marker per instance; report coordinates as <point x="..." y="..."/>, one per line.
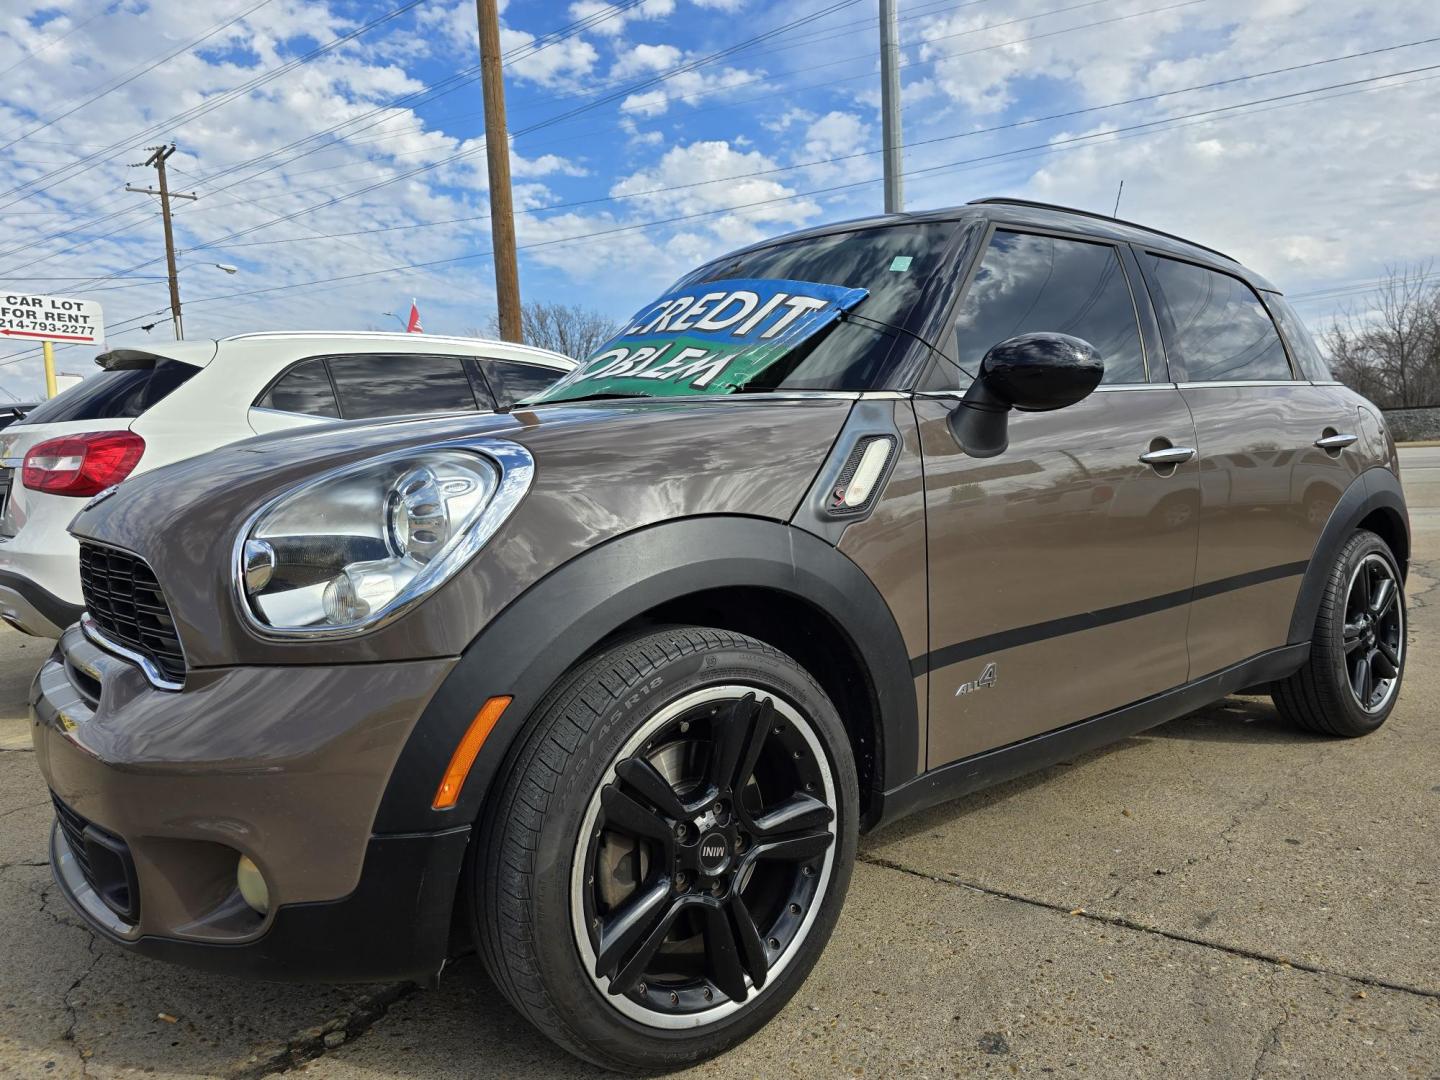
<point x="149" y="407"/>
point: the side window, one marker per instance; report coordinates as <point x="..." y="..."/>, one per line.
<point x="1029" y="284"/>
<point x="305" y="388"/>
<point x="1217" y="328"/>
<point x="1302" y="346"/>
<point x="519" y="381"/>
<point x="375" y="385"/>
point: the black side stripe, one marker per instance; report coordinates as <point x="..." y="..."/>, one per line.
<point x="1089" y="620"/>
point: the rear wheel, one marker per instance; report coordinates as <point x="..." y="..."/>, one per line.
<point x="670" y="851"/>
<point x="1357" y="654"/>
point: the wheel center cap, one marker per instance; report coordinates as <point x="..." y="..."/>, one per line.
<point x="714" y="852"/>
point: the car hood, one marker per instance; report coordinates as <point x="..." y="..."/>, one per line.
<point x="602" y="469"/>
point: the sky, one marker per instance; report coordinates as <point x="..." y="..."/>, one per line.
<point x="337" y="148"/>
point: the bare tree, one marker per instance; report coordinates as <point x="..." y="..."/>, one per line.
<point x="1390" y="350"/>
<point x="570" y="329"/>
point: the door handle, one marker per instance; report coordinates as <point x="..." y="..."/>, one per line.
<point x="1335" y="442"/>
<point x="1169" y="455"/>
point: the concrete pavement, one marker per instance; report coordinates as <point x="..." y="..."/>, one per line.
<point x="1220" y="897"/>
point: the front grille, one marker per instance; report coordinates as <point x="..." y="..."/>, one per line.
<point x="104" y="861"/>
<point x="123" y="597"/>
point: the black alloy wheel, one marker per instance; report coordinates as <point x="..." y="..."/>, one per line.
<point x="669" y="848"/>
<point x="1374" y="632"/>
<point x="1351" y="680"/>
<point x="703" y="855"/>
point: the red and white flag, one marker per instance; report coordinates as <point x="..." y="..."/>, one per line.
<point x="413" y="326"/>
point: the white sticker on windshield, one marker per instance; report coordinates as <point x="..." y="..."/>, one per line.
<point x="901" y="262"/>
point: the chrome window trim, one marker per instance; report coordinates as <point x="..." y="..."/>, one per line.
<point x="1103" y="388"/>
<point x="152" y="673"/>
<point x="1199" y="385"/>
<point x="517" y="472"/>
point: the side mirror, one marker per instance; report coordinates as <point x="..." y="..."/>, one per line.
<point x="1031" y="372"/>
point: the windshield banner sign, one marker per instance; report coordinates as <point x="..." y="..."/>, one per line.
<point x="708" y="338"/>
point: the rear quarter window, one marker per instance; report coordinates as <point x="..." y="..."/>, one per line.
<point x="1216" y="327"/>
<point x="1302" y="346"/>
<point x="114" y="395"/>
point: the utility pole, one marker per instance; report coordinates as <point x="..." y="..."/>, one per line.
<point x="890" y="105"/>
<point x="157" y="158"/>
<point x="497" y="157"/>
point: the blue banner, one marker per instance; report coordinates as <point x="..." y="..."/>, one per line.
<point x="708" y="338"/>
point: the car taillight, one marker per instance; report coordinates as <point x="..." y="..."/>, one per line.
<point x="81" y="465"/>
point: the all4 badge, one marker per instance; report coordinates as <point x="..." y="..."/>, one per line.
<point x="984" y="682"/>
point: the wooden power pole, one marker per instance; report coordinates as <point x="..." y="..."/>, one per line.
<point x="497" y="157"/>
<point x="157" y="158"/>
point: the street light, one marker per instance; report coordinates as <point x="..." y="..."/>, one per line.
<point x="214" y="266"/>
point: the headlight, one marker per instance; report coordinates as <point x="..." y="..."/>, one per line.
<point x="359" y="546"/>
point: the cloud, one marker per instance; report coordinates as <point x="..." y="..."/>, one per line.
<point x="615" y="25"/>
<point x="657" y="100"/>
<point x="558" y="63"/>
<point x="691" y="175"/>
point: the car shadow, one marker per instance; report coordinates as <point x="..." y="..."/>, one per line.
<point x="1233" y="719"/>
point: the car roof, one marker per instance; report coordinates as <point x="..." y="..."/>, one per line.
<point x="1027" y="212"/>
<point x="201" y="351"/>
<point x="372" y="340"/>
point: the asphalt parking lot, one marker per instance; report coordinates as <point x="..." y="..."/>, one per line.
<point x="1220" y="897"/>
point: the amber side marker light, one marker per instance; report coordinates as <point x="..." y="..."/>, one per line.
<point x="465" y="754"/>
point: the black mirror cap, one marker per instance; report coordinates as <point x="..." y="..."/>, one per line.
<point x="1042" y="371"/>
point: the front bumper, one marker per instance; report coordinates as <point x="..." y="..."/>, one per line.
<point x="285" y="765"/>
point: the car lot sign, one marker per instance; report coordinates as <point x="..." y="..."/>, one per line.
<point x="50" y="318"/>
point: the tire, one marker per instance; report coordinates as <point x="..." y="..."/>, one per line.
<point x="666" y="727"/>
<point x="1325" y="695"/>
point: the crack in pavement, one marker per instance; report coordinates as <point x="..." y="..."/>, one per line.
<point x="73" y="1011"/>
<point x="1271" y="1045"/>
<point x="1139" y="927"/>
<point x="25" y="806"/>
<point x="314" y="1042"/>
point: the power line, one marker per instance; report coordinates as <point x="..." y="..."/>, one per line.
<point x="832" y="82"/>
<point x="592" y="104"/>
<point x="135" y="74"/>
<point x="30" y="54"/>
<point x="1068" y="114"/>
<point x="1206" y="115"/>
<point x="536" y="45"/>
<point x="213" y="103"/>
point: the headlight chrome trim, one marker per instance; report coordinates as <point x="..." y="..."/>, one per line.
<point x="517" y="472"/>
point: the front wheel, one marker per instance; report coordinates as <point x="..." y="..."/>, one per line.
<point x="670" y="849"/>
<point x="1357" y="654"/>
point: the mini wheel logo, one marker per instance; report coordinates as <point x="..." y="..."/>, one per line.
<point x="714" y="851"/>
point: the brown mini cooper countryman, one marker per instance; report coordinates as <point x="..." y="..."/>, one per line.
<point x="844" y="524"/>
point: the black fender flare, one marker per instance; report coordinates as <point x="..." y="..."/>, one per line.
<point x="1374" y="489"/>
<point x="553" y="624"/>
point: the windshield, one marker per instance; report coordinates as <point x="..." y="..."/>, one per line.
<point x="877" y="274"/>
